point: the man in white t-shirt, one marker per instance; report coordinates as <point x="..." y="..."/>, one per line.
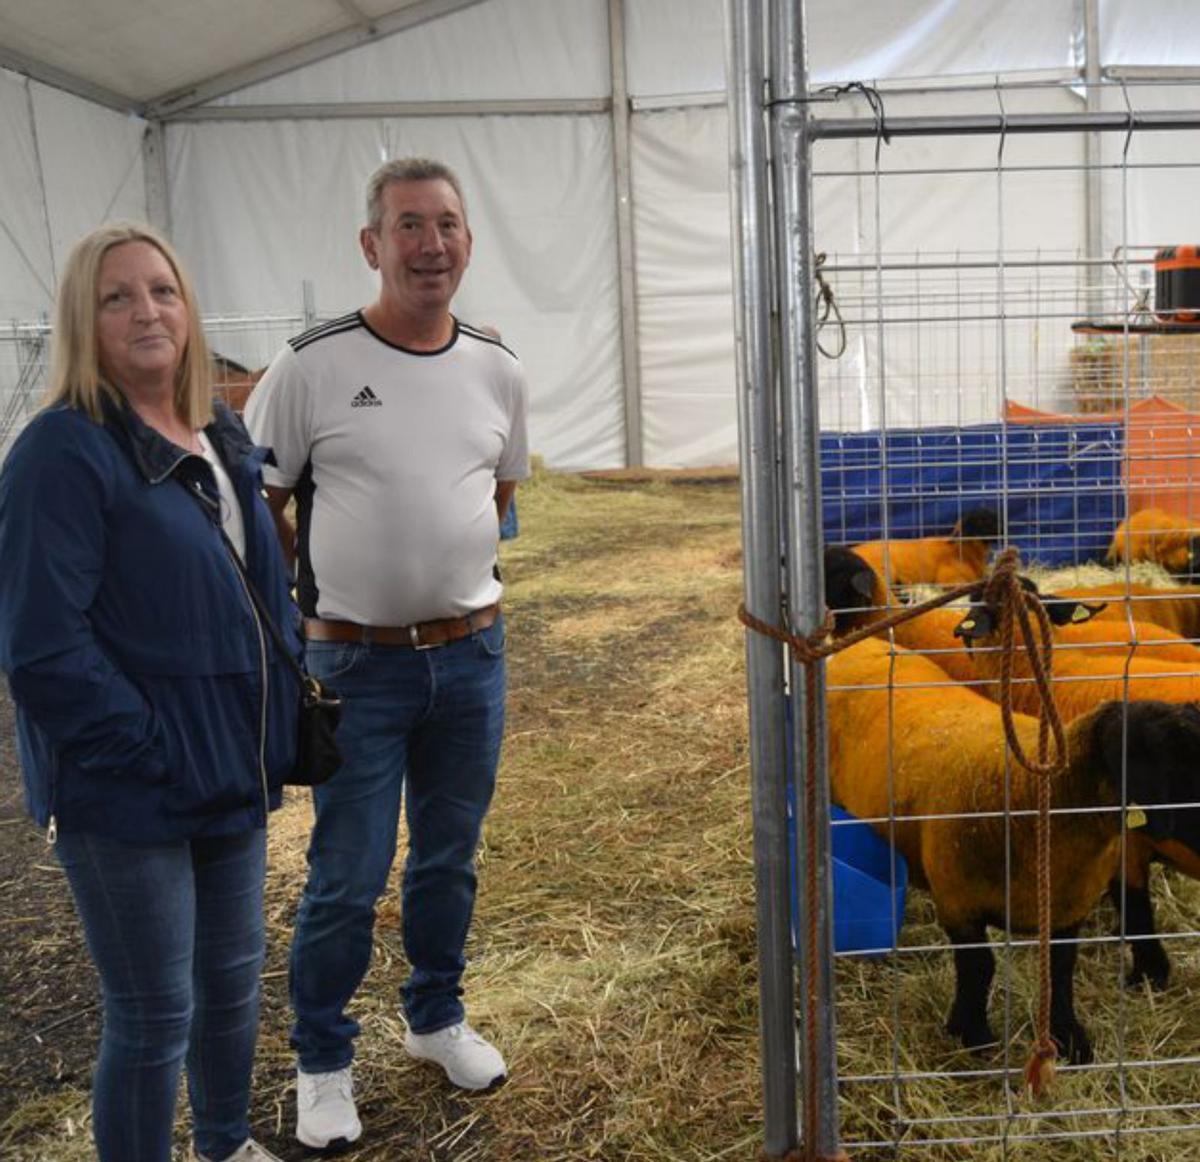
<point x="401" y="433"/>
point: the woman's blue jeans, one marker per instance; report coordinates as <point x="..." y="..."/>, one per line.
<point x="425" y="726"/>
<point x="176" y="931"/>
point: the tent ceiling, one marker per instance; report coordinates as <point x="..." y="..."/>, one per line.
<point x="138" y="55"/>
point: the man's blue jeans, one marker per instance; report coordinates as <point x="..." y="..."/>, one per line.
<point x="176" y="931"/>
<point x="425" y="725"/>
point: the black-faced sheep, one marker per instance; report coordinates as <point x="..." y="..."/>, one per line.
<point x="901" y="745"/>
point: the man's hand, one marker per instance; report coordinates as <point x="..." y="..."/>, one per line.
<point x="277" y="501"/>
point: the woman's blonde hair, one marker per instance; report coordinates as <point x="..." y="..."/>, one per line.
<point x="76" y="378"/>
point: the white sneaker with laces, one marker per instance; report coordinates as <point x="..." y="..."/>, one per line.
<point x="470" y="1061"/>
<point x="325" y="1111"/>
<point x="248" y="1151"/>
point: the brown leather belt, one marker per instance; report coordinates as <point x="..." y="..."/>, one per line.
<point x="423" y="635"/>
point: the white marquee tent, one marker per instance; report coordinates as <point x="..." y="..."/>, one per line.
<point x="591" y="136"/>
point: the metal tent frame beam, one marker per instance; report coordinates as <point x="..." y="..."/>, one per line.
<point x="996" y="124"/>
<point x="61" y="79"/>
<point x="539" y="107"/>
<point x="305" y="54"/>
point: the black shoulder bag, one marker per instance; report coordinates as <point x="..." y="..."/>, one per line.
<point x="317" y="754"/>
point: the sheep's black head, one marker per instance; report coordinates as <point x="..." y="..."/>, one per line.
<point x="983" y="619"/>
<point x="979" y="524"/>
<point x="1154" y="748"/>
<point x="852" y="590"/>
<point x="1191" y="574"/>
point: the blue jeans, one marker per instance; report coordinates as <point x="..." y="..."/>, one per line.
<point x="425" y="726"/>
<point x="176" y="931"/>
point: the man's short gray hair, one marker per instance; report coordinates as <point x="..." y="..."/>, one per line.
<point x="407" y="169"/>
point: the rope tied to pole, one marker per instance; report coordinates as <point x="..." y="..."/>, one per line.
<point x="1016" y="603"/>
<point x="825" y="306"/>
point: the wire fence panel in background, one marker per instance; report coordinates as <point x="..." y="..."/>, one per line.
<point x="241" y="346"/>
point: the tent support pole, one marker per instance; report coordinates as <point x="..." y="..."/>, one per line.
<point x="154" y="168"/>
<point x="626" y="278"/>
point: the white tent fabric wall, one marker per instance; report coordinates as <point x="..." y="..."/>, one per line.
<point x="68" y="165"/>
<point x="680" y="192"/>
<point x="26" y="287"/>
<point x="684" y="287"/>
<point x="1161" y="200"/>
<point x="258" y="207"/>
<point x="497" y="50"/>
<point x="543" y="270"/>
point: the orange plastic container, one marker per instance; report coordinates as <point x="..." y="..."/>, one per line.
<point x="1177" y="284"/>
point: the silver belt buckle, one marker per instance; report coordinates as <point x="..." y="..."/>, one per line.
<point x="415" y="638"/>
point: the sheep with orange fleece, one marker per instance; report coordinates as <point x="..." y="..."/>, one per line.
<point x="1082" y="682"/>
<point x="1155" y="535"/>
<point x="1176" y="609"/>
<point x="857" y="597"/>
<point x="945" y="755"/>
<point x="957" y="559"/>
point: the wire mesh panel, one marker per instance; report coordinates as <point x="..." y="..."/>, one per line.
<point x="241" y="347"/>
<point x="24" y="349"/>
<point x="1017" y="376"/>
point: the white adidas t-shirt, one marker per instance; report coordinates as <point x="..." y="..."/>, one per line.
<point x="393" y="456"/>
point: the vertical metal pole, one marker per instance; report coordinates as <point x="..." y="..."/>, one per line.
<point x="1092" y="156"/>
<point x="154" y="170"/>
<point x="791" y="147"/>
<point x="757" y="444"/>
<point x="309" y="297"/>
<point x="626" y="281"/>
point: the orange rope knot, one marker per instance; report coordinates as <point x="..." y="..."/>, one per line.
<point x="1040" y="1070"/>
<point x="816" y="645"/>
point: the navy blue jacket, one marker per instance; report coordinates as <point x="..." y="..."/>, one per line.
<point x="150" y="707"/>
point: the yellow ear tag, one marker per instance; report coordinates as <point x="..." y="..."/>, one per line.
<point x="969" y="623"/>
<point x="1080" y="614"/>
<point x="1135" y="817"/>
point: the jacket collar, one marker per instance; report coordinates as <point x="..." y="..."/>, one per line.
<point x="156" y="457"/>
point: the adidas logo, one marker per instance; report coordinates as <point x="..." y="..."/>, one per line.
<point x="366" y="399"/>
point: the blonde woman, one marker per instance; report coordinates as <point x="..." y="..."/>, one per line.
<point x="155" y="719"/>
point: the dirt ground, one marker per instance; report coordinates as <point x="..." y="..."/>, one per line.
<point x="591" y="888"/>
<point x="612" y="955"/>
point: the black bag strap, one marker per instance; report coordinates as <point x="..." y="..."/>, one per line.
<point x="263" y="613"/>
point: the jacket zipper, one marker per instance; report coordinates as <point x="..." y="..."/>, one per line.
<point x="262" y="661"/>
<point x="52" y="825"/>
<point x="262" y="717"/>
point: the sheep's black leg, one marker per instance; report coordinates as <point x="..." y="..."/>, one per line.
<point x="1065" y="1028"/>
<point x="973" y="972"/>
<point x="1150" y="961"/>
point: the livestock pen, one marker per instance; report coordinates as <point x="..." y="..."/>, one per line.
<point x="889" y="387"/>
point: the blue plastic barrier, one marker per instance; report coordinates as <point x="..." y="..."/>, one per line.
<point x="1062" y="483"/>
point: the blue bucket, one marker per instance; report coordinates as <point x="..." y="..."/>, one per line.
<point x="868" y="909"/>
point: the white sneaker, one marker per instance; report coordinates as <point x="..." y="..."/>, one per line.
<point x="248" y="1151"/>
<point x="469" y="1061"/>
<point x="325" y="1112"/>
